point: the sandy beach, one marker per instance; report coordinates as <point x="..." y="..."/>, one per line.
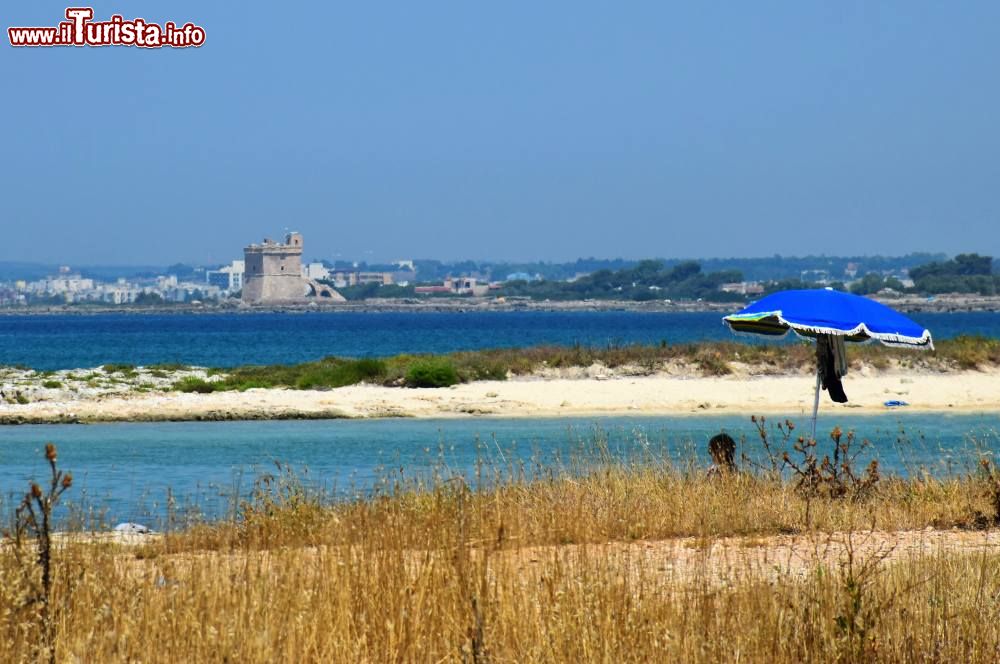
<point x="592" y="395"/>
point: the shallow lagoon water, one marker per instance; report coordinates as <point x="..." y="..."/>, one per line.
<point x="126" y="470"/>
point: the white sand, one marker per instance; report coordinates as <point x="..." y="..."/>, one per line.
<point x="536" y="397"/>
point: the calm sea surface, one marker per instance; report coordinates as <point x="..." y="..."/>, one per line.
<point x="225" y="340"/>
<point x="126" y="470"/>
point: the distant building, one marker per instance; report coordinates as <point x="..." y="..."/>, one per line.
<point x="315" y="271"/>
<point x="273" y="274"/>
<point x="343" y="279"/>
<point x="9" y="297"/>
<point x="228" y="278"/>
<point x="457" y="286"/>
<point x="381" y="278"/>
<point x="67" y="283"/>
<point x="743" y="288"/>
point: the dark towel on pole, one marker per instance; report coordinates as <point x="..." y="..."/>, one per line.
<point x="827" y="365"/>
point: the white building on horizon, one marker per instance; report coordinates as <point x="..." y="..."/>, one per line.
<point x="315" y="271"/>
<point x="228" y="278"/>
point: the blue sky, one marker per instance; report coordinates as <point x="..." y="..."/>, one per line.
<point x="508" y="130"/>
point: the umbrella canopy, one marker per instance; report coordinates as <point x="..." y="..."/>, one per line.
<point x="811" y="313"/>
<point x="825" y="314"/>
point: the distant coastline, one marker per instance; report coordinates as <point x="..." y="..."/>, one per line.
<point x="908" y="303"/>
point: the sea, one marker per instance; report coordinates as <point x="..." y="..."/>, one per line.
<point x="51" y="342"/>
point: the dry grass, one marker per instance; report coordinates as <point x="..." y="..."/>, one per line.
<point x="520" y="569"/>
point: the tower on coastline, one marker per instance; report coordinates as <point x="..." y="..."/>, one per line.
<point x="273" y="271"/>
<point x="273" y="274"/>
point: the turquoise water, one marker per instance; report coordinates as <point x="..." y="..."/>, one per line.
<point x="225" y="340"/>
<point x="126" y="470"/>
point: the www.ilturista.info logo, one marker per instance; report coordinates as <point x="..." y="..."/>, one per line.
<point x="81" y="30"/>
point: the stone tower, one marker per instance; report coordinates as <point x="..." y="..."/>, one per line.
<point x="274" y="271"/>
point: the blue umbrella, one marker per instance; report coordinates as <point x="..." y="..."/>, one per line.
<point x="826" y="312"/>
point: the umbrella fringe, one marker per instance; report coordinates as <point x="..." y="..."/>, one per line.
<point x="803" y="331"/>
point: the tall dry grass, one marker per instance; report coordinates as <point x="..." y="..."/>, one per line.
<point x="522" y="570"/>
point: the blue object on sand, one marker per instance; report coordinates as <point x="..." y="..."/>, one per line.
<point x="893" y="403"/>
<point x="825" y="311"/>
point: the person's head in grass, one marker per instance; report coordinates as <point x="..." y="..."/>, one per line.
<point x="722" y="448"/>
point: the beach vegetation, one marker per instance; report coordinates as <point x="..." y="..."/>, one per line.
<point x="642" y="558"/>
<point x="962" y="353"/>
<point x="33" y="520"/>
<point x="431" y="373"/>
<point x="972" y="352"/>
<point x="323" y="374"/>
<point x="195" y="384"/>
<point x="52" y="384"/>
<point x="338" y="373"/>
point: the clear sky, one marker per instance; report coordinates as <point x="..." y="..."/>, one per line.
<point x="507" y="130"/>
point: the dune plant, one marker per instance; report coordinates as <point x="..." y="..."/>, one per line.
<point x="33" y="520"/>
<point x="431" y="373"/>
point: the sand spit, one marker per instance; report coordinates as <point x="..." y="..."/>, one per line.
<point x="591" y="394"/>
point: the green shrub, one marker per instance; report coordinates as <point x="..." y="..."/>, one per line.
<point x="244" y="385"/>
<point x="52" y="385"/>
<point x="194" y="384"/>
<point x="337" y="373"/>
<point x="431" y="373"/>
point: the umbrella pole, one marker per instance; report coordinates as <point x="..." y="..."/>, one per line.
<point x="816" y="403"/>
